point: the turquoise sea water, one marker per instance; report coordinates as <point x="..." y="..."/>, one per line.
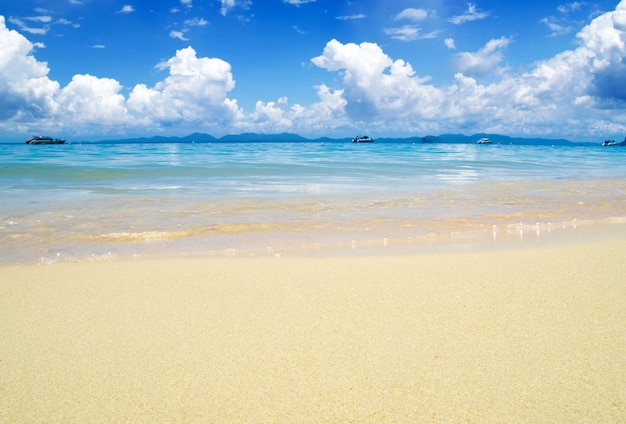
<point x="89" y="201"/>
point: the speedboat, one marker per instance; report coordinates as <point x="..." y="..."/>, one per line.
<point x="38" y="139"/>
<point x="613" y="143"/>
<point x="362" y="139"/>
<point x="484" y="140"/>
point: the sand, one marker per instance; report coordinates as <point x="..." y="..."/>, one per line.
<point x="528" y="335"/>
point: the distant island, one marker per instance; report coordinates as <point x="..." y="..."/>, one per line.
<point x="295" y="138"/>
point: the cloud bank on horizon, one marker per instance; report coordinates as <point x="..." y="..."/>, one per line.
<point x="358" y="83"/>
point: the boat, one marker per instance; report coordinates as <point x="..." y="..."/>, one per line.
<point x="38" y="139"/>
<point x="362" y="139"/>
<point x="484" y="140"/>
<point x="607" y="143"/>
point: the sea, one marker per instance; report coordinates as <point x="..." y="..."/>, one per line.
<point x="102" y="201"/>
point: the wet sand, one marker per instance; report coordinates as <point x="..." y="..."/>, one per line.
<point x="526" y="335"/>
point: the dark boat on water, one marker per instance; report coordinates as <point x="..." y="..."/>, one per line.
<point x="38" y="139"/>
<point x="362" y="139"/>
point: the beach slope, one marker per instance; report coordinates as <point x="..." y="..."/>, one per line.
<point x="528" y="335"/>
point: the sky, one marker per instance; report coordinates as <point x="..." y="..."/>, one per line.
<point x="102" y="69"/>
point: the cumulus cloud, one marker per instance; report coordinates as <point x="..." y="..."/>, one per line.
<point x="26" y="92"/>
<point x="582" y="90"/>
<point x="88" y="101"/>
<point x="196" y="88"/>
<point x="619" y="19"/>
<point x="375" y="86"/>
<point x="195" y="91"/>
<point x="126" y="9"/>
<point x="485" y="61"/>
<point x="320" y="117"/>
<point x="603" y="50"/>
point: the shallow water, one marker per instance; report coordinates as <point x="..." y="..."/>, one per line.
<point x="76" y="201"/>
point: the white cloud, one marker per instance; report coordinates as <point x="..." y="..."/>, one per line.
<point x="89" y="101"/>
<point x="196" y="22"/>
<point x="575" y="94"/>
<point x="298" y="2"/>
<point x="409" y="33"/>
<point x="23" y="26"/>
<point x="26" y="92"/>
<point x="619" y="18"/>
<point x="569" y="7"/>
<point x="179" y="35"/>
<point x="351" y="17"/>
<point x="412" y="14"/>
<point x="43" y="18"/>
<point x="375" y="86"/>
<point x="319" y="118"/>
<point x="271" y="115"/>
<point x="449" y="42"/>
<point x="226" y="6"/>
<point x="472" y="14"/>
<point x="556" y="28"/>
<point x="126" y="9"/>
<point x="39" y="25"/>
<point x="63" y="21"/>
<point x="186" y="3"/>
<point x="195" y="89"/>
<point x="485" y="61"/>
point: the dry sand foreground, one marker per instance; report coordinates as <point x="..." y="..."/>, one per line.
<point x="535" y="335"/>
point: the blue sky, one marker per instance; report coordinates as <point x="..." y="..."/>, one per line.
<point x="93" y="69"/>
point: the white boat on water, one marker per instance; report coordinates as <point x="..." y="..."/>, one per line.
<point x="484" y="140"/>
<point x="607" y="143"/>
<point x="362" y="139"/>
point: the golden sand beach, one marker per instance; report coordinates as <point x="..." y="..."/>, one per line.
<point x="533" y="335"/>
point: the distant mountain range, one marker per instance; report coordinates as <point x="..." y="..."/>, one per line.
<point x="295" y="138"/>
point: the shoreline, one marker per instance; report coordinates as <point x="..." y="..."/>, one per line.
<point x="483" y="238"/>
<point x="532" y="334"/>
